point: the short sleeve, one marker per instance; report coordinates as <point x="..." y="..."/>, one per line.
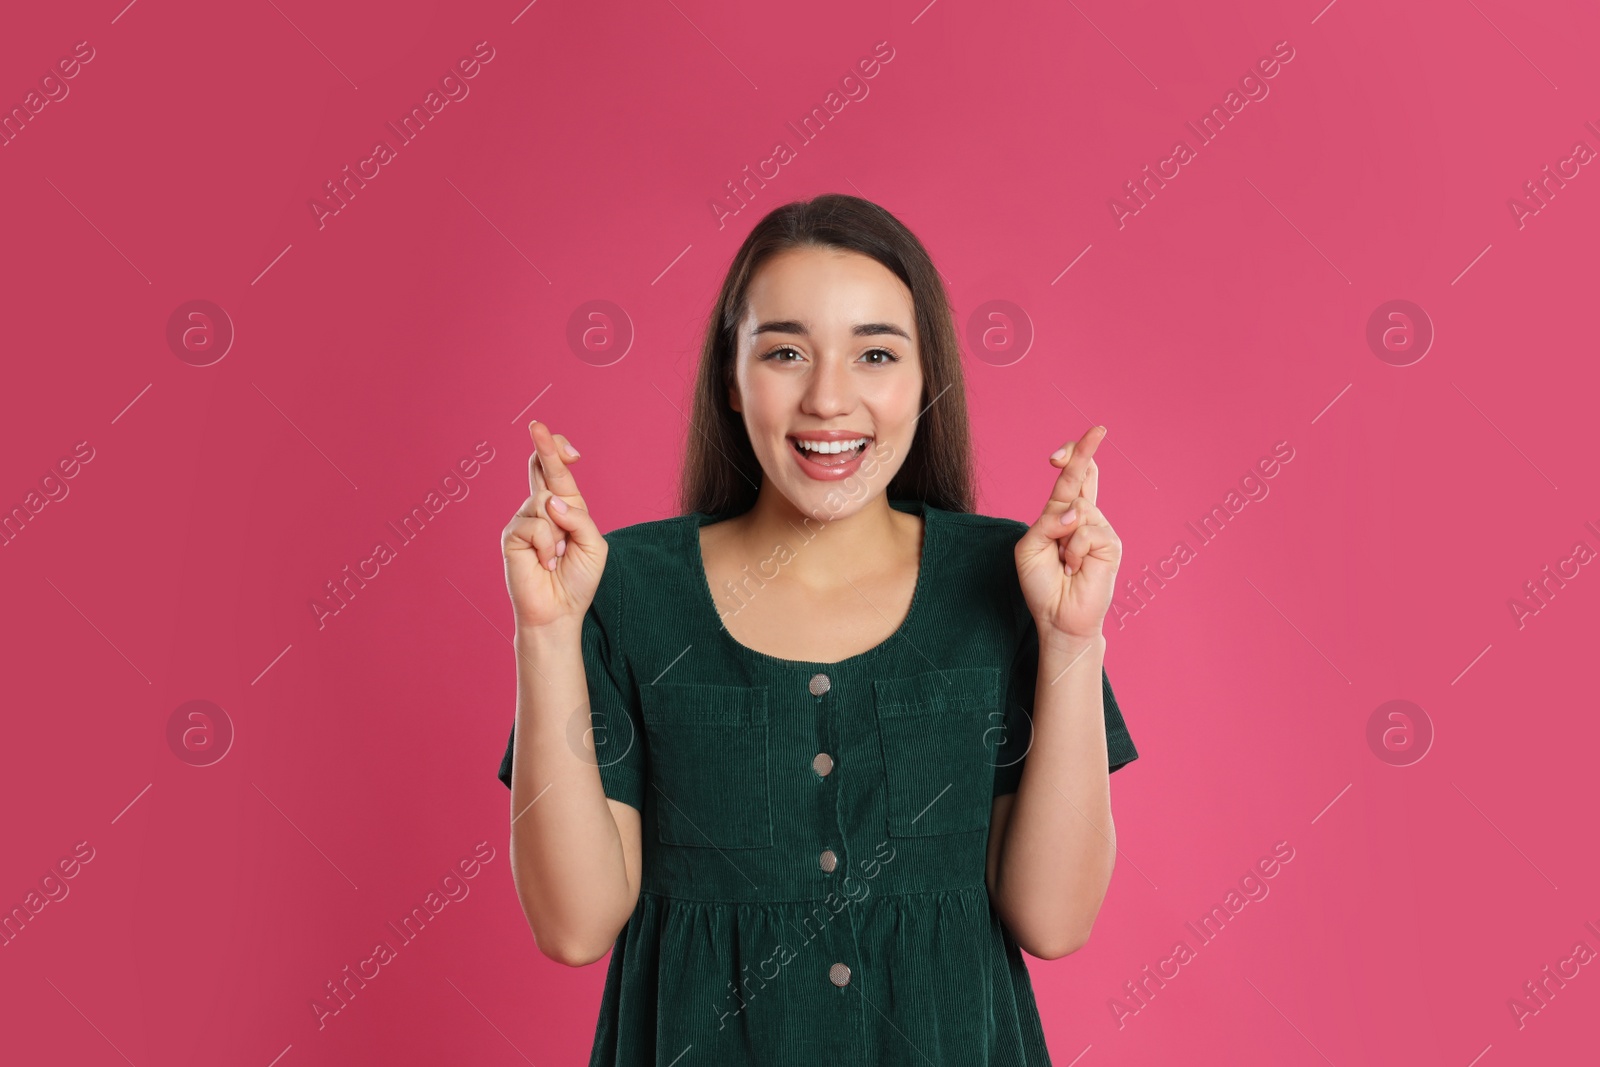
<point x="1017" y="734"/>
<point x="613" y="708"/>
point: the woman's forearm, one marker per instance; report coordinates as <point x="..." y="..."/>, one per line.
<point x="567" y="854"/>
<point x="1059" y="842"/>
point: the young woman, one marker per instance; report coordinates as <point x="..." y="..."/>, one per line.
<point x="818" y="757"/>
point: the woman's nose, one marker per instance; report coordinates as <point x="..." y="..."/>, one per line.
<point x="828" y="392"/>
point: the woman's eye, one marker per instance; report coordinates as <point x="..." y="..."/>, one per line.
<point x="777" y="355"/>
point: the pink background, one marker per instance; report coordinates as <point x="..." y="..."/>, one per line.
<point x="432" y="313"/>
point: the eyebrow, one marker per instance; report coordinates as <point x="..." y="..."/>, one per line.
<point x="860" y="329"/>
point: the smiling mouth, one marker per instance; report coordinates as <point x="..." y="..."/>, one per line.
<point x="830" y="453"/>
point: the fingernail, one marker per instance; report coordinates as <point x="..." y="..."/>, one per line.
<point x="1059" y="453"/>
<point x="559" y="504"/>
<point x="551" y="565"/>
<point x="1068" y="515"/>
<point x="561" y="547"/>
<point x="572" y="453"/>
<point x="1068" y="566"/>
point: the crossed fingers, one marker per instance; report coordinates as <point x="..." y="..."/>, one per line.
<point x="1079" y="475"/>
<point x="549" y="478"/>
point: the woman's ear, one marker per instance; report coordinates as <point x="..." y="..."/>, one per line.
<point x="733" y="395"/>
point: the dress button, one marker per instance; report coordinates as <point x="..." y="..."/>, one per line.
<point x="839" y="975"/>
<point x="819" y="684"/>
<point x="822" y="763"/>
<point x="828" y="859"/>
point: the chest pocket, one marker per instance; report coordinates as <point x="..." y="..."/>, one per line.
<point x="939" y="745"/>
<point x="708" y="764"/>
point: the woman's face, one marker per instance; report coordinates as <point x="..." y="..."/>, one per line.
<point x="828" y="377"/>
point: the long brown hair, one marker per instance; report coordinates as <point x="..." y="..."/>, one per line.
<point x="720" y="470"/>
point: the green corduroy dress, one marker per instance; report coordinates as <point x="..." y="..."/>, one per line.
<point x="815" y="834"/>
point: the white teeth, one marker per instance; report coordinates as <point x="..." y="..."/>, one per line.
<point x="830" y="446"/>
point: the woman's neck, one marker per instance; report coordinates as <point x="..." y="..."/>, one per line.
<point x="827" y="550"/>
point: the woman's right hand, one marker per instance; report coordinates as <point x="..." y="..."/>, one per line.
<point x="554" y="552"/>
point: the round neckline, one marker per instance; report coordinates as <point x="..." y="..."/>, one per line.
<point x="691" y="526"/>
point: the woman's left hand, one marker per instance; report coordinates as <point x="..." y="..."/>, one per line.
<point x="1068" y="570"/>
